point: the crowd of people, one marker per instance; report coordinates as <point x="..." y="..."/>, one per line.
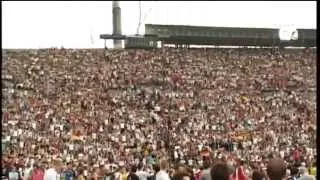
<point x="92" y="114"/>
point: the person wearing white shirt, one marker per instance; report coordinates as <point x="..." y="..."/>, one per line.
<point x="162" y="174"/>
<point x="143" y="175"/>
<point x="53" y="172"/>
<point x="27" y="171"/>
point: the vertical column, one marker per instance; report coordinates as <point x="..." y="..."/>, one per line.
<point x="116" y="20"/>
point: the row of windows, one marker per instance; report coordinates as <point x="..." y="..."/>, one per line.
<point x="139" y="42"/>
<point x="163" y="31"/>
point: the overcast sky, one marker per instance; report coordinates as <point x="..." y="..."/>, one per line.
<point x="78" y="24"/>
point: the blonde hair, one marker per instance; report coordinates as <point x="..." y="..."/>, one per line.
<point x="57" y="162"/>
<point x="163" y="164"/>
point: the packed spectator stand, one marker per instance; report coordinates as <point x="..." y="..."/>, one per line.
<point x="99" y="112"/>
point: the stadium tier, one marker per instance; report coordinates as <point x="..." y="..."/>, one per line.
<point x="137" y="106"/>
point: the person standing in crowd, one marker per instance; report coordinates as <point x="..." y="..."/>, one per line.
<point x="198" y="173"/>
<point x="206" y="173"/>
<point x="239" y="173"/>
<point x="3" y="172"/>
<point x="132" y="175"/>
<point x="177" y="173"/>
<point x="27" y="171"/>
<point x="37" y="173"/>
<point x="305" y="175"/>
<point x="95" y="174"/>
<point x="14" y="174"/>
<point x="162" y="174"/>
<point x="183" y="173"/>
<point x="156" y="169"/>
<point x="294" y="174"/>
<point x="143" y="175"/>
<point x="110" y="173"/>
<point x="313" y="169"/>
<point x="220" y="171"/>
<point x="276" y="169"/>
<point x="53" y="172"/>
<point x="258" y="175"/>
<point x="5" y="167"/>
<point x="123" y="174"/>
<point x="81" y="175"/>
<point x="69" y="173"/>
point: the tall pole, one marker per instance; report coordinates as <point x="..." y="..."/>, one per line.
<point x="116" y="17"/>
<point x="139" y="18"/>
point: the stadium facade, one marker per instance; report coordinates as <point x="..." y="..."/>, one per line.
<point x="217" y="36"/>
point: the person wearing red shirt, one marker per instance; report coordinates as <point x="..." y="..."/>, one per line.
<point x="239" y="173"/>
<point x="37" y="173"/>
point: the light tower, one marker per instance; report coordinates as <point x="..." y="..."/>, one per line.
<point x="116" y="21"/>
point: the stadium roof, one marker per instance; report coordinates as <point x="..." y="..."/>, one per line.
<point x="204" y="27"/>
<point x="226" y="36"/>
<point x="221" y="36"/>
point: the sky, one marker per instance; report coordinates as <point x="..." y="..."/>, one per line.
<point x="72" y="24"/>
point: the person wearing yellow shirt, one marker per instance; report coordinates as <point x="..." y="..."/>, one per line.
<point x="313" y="169"/>
<point x="123" y="174"/>
<point x="81" y="175"/>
